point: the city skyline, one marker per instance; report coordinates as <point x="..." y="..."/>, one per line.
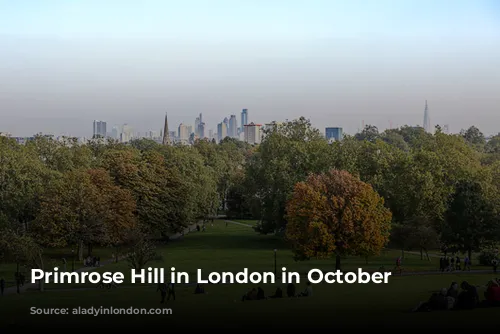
<point x="64" y="64"/>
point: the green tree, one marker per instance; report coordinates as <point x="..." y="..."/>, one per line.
<point x="471" y="219"/>
<point x="287" y="154"/>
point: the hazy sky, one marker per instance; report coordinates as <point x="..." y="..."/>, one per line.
<point x="64" y="63"/>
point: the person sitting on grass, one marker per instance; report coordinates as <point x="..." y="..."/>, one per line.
<point x="199" y="289"/>
<point x="467" y="299"/>
<point x="437" y="301"/>
<point x="278" y="293"/>
<point x="492" y="294"/>
<point x="260" y="294"/>
<point x="452" y="295"/>
<point x="250" y="295"/>
<point x="453" y="290"/>
<point x="308" y="292"/>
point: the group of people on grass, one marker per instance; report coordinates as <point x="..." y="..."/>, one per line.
<point x="464" y="297"/>
<point x="258" y="294"/>
<point x="167" y="291"/>
<point x="92" y="261"/>
<point x="452" y="263"/>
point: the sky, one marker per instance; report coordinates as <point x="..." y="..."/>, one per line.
<point x="345" y="63"/>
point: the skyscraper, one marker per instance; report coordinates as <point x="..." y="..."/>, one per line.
<point x="99" y="129"/>
<point x="219" y="132"/>
<point x="183" y="133"/>
<point x="166" y="134"/>
<point x="333" y="134"/>
<point x="222" y="129"/>
<point x="244" y="119"/>
<point x="127" y="133"/>
<point x="233" y="127"/>
<point x="196" y="126"/>
<point x="201" y="130"/>
<point x="427" y="120"/>
<point x="115" y="134"/>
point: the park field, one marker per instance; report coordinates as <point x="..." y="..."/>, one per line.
<point x="233" y="247"/>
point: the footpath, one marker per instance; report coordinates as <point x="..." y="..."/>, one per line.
<point x="34" y="286"/>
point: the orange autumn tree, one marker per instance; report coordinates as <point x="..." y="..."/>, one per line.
<point x="335" y="213"/>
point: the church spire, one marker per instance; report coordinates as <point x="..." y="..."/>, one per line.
<point x="166" y="135"/>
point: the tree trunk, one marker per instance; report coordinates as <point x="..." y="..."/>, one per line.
<point x="41" y="283"/>
<point x="80" y="250"/>
<point x="89" y="249"/>
<point x="337" y="262"/>
<point x="402" y="253"/>
<point x="421" y="254"/>
<point x="427" y="254"/>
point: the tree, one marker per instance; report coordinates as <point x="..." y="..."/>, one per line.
<point x="369" y="133"/>
<point x="84" y="207"/>
<point x="141" y="252"/>
<point x="474" y="137"/>
<point x="119" y="208"/>
<point x="287" y="154"/>
<point x="22" y="249"/>
<point x="23" y="178"/>
<point x="493" y="145"/>
<point x="470" y="218"/>
<point x="335" y="212"/>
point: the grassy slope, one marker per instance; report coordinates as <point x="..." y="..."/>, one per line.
<point x="232" y="248"/>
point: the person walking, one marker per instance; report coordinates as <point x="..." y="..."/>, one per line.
<point x="171" y="291"/>
<point x="162" y="287"/>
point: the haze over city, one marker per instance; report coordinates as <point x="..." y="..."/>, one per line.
<point x="339" y="63"/>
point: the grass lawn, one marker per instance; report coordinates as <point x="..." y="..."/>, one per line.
<point x="233" y="248"/>
<point x="347" y="305"/>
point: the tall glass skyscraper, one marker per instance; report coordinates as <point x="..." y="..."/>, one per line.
<point x="233" y="127"/>
<point x="244" y="118"/>
<point x="99" y="130"/>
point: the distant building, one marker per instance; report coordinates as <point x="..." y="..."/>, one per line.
<point x="201" y="130"/>
<point x="222" y="129"/>
<point x="197" y="126"/>
<point x="99" y="130"/>
<point x="183" y="133"/>
<point x="244" y="119"/>
<point x="232" y="131"/>
<point x="427" y="119"/>
<point x="115" y="133"/>
<point x="127" y="133"/>
<point x="333" y="134"/>
<point x="23" y="140"/>
<point x="252" y="133"/>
